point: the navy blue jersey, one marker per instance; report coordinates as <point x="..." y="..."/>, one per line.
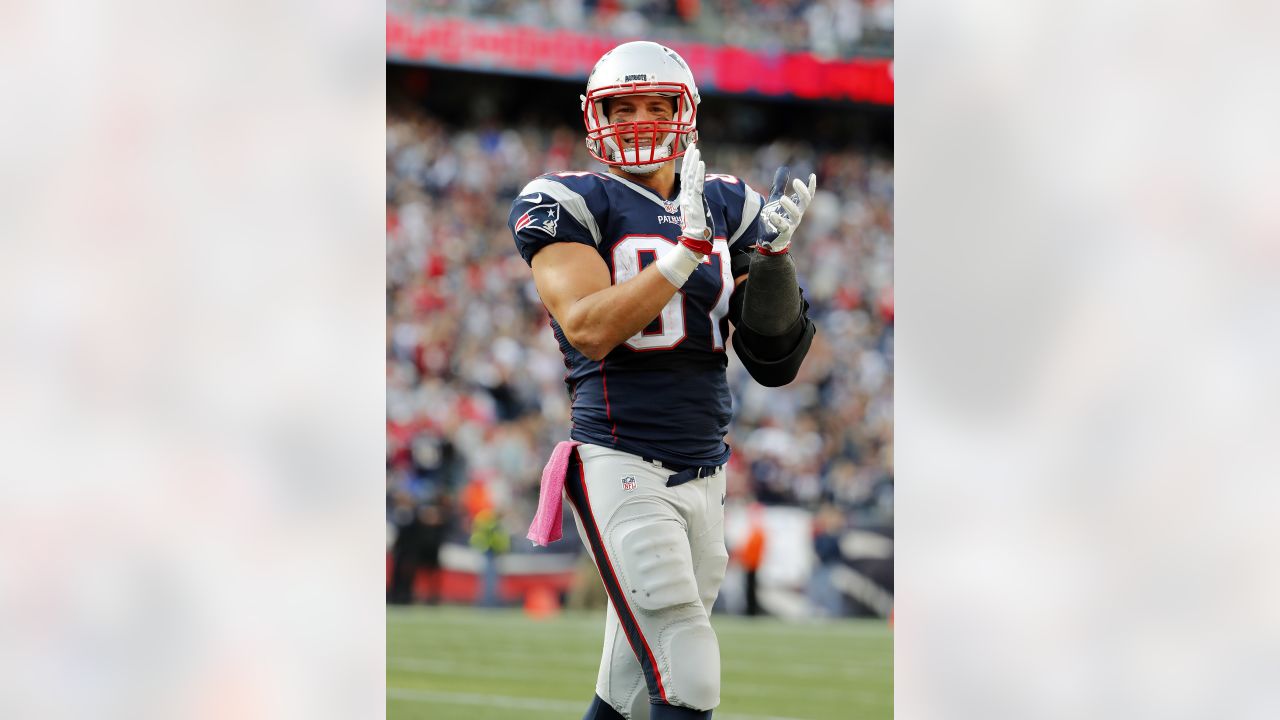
<point x="661" y="394"/>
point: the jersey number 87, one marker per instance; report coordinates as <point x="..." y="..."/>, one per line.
<point x="672" y="328"/>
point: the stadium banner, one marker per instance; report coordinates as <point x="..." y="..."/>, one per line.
<point x="503" y="47"/>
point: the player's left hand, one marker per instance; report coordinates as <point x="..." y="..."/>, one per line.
<point x="782" y="214"/>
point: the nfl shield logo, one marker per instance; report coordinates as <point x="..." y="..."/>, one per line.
<point x="629" y="483"/>
<point x="671" y="206"/>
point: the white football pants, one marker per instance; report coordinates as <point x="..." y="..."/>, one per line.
<point x="661" y="554"/>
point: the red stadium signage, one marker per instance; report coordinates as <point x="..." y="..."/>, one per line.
<point x="478" y="45"/>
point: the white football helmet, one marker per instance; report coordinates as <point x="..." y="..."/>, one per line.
<point x="640" y="68"/>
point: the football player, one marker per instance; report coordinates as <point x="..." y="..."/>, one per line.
<point x="643" y="270"/>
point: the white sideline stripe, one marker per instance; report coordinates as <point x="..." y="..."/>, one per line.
<point x="577" y="664"/>
<point x="523" y="703"/>
<point x="825" y="629"/>
<point x="448" y="667"/>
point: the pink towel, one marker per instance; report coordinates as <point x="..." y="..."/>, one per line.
<point x="548" y="521"/>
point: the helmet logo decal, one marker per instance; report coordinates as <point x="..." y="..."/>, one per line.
<point x="635" y="78"/>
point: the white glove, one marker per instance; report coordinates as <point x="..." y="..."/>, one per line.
<point x="782" y="214"/>
<point x="694" y="213"/>
<point x="695" y="234"/>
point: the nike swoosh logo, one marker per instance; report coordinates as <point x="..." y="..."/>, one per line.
<point x="535" y="199"/>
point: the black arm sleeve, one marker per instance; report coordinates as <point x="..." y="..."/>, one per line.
<point x="773" y="360"/>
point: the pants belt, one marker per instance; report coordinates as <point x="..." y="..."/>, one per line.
<point x="681" y="475"/>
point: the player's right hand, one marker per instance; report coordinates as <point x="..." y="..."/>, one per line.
<point x="694" y="214"/>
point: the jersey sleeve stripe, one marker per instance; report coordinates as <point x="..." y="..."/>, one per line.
<point x="750" y="209"/>
<point x="569" y="200"/>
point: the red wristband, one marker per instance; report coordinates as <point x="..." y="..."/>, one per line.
<point x="702" y="247"/>
<point x="764" y="250"/>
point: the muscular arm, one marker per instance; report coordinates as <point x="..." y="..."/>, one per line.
<point x="594" y="314"/>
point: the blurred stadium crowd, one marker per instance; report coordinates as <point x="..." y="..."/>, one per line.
<point x="475" y="391"/>
<point x="828" y="28"/>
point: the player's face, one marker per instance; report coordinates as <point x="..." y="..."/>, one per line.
<point x="640" y="108"/>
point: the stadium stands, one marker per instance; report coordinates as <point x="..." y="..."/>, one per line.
<point x="827" y="28"/>
<point x="475" y="392"/>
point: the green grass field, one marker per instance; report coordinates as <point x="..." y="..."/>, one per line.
<point x="463" y="664"/>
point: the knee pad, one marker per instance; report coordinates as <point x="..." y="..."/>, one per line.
<point x="659" y="579"/>
<point x="656" y="563"/>
<point x="694" y="680"/>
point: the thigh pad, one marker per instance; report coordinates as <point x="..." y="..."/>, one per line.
<point x="656" y="564"/>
